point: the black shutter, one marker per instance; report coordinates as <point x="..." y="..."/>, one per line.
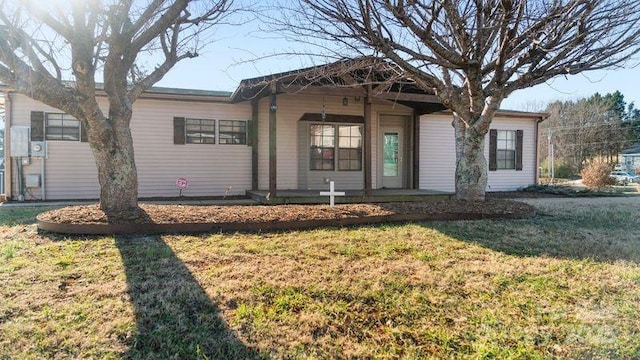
<point x="519" y="134"/>
<point x="179" y="132"/>
<point x="37" y="126"/>
<point x="493" y="150"/>
<point x="83" y="133"/>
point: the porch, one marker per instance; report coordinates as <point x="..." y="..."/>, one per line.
<point x="351" y="196"/>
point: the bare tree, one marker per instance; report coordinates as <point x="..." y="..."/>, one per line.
<point x="586" y="129"/>
<point x="43" y="44"/>
<point x="472" y="54"/>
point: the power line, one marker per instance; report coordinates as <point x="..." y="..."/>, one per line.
<point x="617" y="126"/>
<point x="595" y="143"/>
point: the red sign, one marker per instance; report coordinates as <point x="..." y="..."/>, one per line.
<point x="182" y="183"/>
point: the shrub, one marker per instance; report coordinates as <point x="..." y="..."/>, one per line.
<point x="564" y="171"/>
<point x="596" y="175"/>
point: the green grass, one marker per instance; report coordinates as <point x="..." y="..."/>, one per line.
<point x="20" y="215"/>
<point x="564" y="284"/>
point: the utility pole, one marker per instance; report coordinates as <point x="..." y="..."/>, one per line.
<point x="550" y="167"/>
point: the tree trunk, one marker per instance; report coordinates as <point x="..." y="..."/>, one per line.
<point x="117" y="172"/>
<point x="471" y="165"/>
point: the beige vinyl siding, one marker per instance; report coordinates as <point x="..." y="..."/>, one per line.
<point x="70" y="171"/>
<point x="438" y="158"/>
<point x="437" y="153"/>
<point x="210" y="169"/>
<point x="508" y="180"/>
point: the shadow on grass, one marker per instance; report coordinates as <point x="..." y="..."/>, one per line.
<point x="561" y="237"/>
<point x="175" y="317"/>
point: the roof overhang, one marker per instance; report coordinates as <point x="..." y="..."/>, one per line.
<point x="165" y="93"/>
<point x="365" y="76"/>
<point x="539" y="116"/>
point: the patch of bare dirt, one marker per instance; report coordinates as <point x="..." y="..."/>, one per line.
<point x="192" y="214"/>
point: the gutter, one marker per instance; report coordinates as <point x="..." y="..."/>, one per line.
<point x="543" y="117"/>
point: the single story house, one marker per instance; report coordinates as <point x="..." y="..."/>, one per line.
<point x="630" y="159"/>
<point x="289" y="131"/>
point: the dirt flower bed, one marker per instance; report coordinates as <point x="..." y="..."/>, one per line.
<point x="190" y="214"/>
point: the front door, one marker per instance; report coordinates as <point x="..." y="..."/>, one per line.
<point x="392" y="161"/>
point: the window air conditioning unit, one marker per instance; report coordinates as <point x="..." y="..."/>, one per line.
<point x="38" y="149"/>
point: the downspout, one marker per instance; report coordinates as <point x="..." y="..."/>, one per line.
<point x="537" y="152"/>
<point x="7" y="144"/>
<point x="42" y="177"/>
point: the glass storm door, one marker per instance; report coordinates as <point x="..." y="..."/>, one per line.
<point x="392" y="169"/>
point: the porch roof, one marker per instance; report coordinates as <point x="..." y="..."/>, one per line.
<point x="348" y="77"/>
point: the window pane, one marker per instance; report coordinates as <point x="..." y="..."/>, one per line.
<point x="61" y="127"/>
<point x="506" y="140"/>
<point x="322" y="147"/>
<point x="327" y="153"/>
<point x="200" y="131"/>
<point x="506" y="159"/>
<point x="506" y="149"/>
<point x="233" y="132"/>
<point x="350" y="147"/>
<point x="72" y="135"/>
<point x="344" y="142"/>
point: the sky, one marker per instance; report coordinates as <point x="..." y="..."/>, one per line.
<point x="242" y="52"/>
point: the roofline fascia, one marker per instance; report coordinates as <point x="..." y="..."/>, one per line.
<point x="153" y="96"/>
<point x="540" y="116"/>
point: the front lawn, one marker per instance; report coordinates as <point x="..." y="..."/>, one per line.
<point x="563" y="284"/>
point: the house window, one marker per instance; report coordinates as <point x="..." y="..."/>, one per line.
<point x="200" y="131"/>
<point x="62" y="127"/>
<point x="326" y="151"/>
<point x="322" y="147"/>
<point x="506" y="149"/>
<point x="350" y="147"/>
<point x="233" y="132"/>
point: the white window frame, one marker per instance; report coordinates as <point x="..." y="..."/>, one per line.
<point x="63" y="117"/>
<point x="337" y="163"/>
<point x="506" y="143"/>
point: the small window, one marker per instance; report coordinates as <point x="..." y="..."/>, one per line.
<point x="200" y="131"/>
<point x="506" y="149"/>
<point x="350" y="148"/>
<point x="322" y="147"/>
<point x="233" y="132"/>
<point x="62" y="127"/>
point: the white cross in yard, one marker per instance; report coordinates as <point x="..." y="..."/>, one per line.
<point x="332" y="193"/>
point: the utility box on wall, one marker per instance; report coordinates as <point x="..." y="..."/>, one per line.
<point x="32" y="181"/>
<point x="19" y="141"/>
<point x="39" y="149"/>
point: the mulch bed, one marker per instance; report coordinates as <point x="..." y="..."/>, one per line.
<point x="89" y="219"/>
